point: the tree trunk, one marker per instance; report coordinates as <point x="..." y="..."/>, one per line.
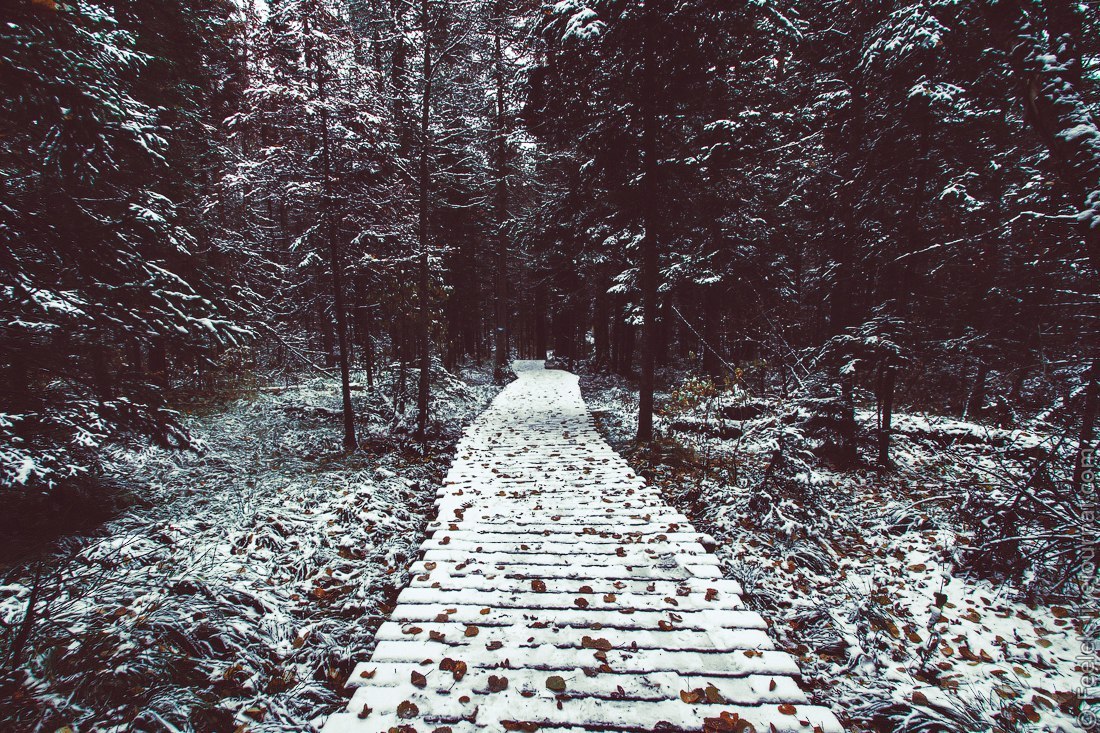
<point x="600" y="312"/>
<point x="423" y="236"/>
<point x="337" y="278"/>
<point x="712" y="367"/>
<point x="500" y="352"/>
<point x="977" y="395"/>
<point x="540" y="322"/>
<point x="648" y="201"/>
<point x="886" y="382"/>
<point x="158" y="363"/>
<point x="363" y="328"/>
<point x="841" y="310"/>
<point x="849" y="454"/>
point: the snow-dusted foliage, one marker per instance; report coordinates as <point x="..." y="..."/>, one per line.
<point x="867" y="574"/>
<point x="242" y="587"/>
<point x="95" y="256"/>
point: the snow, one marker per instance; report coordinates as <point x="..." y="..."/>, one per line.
<point x="557" y="589"/>
<point x="862" y="574"/>
<point x="235" y="588"/>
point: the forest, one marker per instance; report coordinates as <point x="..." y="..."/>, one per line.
<point x="827" y="272"/>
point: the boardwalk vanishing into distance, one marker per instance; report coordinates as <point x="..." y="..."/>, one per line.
<point x="556" y="590"/>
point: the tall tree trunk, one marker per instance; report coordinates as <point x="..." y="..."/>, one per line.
<point x="886" y="381"/>
<point x="540" y="322"/>
<point x="712" y="367"/>
<point x="977" y="395"/>
<point x="841" y="311"/>
<point x="649" y="241"/>
<point x="423" y="235"/>
<point x="363" y="328"/>
<point x="158" y="362"/>
<point x="849" y="454"/>
<point x="337" y="277"/>
<point x="500" y="351"/>
<point x="600" y="313"/>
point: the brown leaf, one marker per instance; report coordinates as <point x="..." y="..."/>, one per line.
<point x="555" y="683"/>
<point x="497" y="684"/>
<point x="437" y="635"/>
<point x="602" y="644"/>
<point x="494" y="645"/>
<point x="787" y="709"/>
<point x="472" y="630"/>
<point x="692" y="696"/>
<point x="538" y="586"/>
<point x="407" y="709"/>
<point x="728" y="722"/>
<point x="459" y="670"/>
<point x="419" y="680"/>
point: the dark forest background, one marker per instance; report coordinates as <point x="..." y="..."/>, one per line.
<point x="890" y="203"/>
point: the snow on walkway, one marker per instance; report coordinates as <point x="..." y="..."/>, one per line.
<point x="558" y="591"/>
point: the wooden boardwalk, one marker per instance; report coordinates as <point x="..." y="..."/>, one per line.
<point x="558" y="591"/>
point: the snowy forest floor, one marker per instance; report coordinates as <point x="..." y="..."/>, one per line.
<point x="234" y="590"/>
<point x="850" y="573"/>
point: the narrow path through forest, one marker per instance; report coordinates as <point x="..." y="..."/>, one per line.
<point x="558" y="590"/>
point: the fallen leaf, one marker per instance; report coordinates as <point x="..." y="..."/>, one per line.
<point x="602" y="644"/>
<point x="692" y="696"/>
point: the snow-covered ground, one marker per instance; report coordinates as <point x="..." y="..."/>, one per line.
<point x="238" y="594"/>
<point x="862" y="575"/>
